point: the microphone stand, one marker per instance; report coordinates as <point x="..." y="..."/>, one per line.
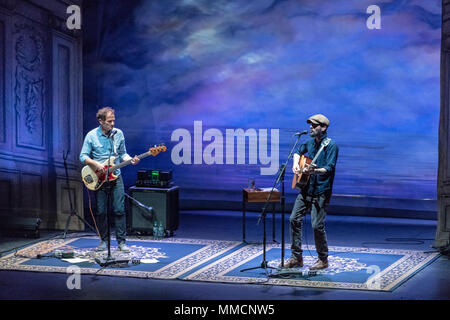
<point x="280" y="177"/>
<point x="264" y="264"/>
<point x="283" y="198"/>
<point x="142" y="206"/>
<point x="73" y="211"/>
<point x="109" y="259"/>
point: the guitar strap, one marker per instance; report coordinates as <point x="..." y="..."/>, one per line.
<point x="324" y="143"/>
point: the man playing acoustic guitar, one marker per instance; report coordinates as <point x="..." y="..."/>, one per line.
<point x="316" y="193"/>
<point x="99" y="144"/>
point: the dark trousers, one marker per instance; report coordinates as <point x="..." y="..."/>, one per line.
<point x="117" y="210"/>
<point x="318" y="205"/>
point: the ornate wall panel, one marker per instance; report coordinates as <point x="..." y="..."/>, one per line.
<point x="66" y="109"/>
<point x="30" y="78"/>
<point x="75" y="191"/>
<point x="5" y="80"/>
<point x="40" y="109"/>
<point x="2" y="83"/>
<point x="67" y="121"/>
<point x="31" y="200"/>
<point x="443" y="228"/>
<point x="9" y="189"/>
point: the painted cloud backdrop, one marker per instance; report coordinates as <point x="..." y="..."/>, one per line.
<point x="272" y="64"/>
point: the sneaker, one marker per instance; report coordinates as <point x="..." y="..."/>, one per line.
<point x="101" y="246"/>
<point x="123" y="247"/>
<point x="320" y="265"/>
<point x="293" y="263"/>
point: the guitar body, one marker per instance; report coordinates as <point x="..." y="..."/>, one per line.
<point x="300" y="180"/>
<point x="92" y="180"/>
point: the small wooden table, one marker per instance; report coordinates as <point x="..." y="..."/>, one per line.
<point x="256" y="195"/>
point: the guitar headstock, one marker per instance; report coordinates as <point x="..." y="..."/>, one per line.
<point x="156" y="149"/>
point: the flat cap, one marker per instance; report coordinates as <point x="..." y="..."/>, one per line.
<point x="318" y="119"/>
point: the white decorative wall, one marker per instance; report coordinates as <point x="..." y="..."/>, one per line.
<point x="41" y="114"/>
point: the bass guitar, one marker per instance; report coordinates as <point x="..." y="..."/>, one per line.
<point x="93" y="180"/>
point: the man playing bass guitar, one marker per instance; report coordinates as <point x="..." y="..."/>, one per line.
<point x="315" y="194"/>
<point x="99" y="144"/>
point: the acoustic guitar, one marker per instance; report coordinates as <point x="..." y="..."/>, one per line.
<point x="301" y="179"/>
<point x="93" y="180"/>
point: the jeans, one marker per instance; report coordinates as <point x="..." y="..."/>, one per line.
<point x="117" y="211"/>
<point x="318" y="205"/>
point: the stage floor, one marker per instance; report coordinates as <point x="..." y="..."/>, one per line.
<point x="431" y="283"/>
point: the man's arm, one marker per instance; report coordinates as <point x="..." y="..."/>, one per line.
<point x="331" y="158"/>
<point x="135" y="160"/>
<point x="295" y="164"/>
<point x="301" y="149"/>
<point x="95" y="165"/>
<point x="123" y="152"/>
<point x="85" y="156"/>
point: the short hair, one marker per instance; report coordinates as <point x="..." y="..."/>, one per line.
<point x="101" y="114"/>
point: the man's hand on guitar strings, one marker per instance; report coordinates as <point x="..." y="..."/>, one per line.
<point x="309" y="169"/>
<point x="135" y="160"/>
<point x="98" y="167"/>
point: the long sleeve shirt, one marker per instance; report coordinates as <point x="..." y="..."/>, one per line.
<point x="319" y="183"/>
<point x="99" y="147"/>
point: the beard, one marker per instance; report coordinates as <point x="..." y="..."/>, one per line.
<point x="315" y="133"/>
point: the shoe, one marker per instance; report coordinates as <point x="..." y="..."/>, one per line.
<point x="320" y="265"/>
<point x="123" y="247"/>
<point x="101" y="246"/>
<point x="293" y="263"/>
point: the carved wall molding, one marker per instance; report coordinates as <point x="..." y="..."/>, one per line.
<point x="30" y="85"/>
<point x="2" y="82"/>
<point x="39" y="56"/>
<point x="56" y="23"/>
<point x="442" y="238"/>
<point x="6" y="74"/>
<point x="23" y="158"/>
<point x="10" y="190"/>
<point x="32" y="195"/>
<point x="8" y="4"/>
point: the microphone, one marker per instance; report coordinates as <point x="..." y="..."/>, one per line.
<point x="112" y="133"/>
<point x="148" y="208"/>
<point x="309" y="273"/>
<point x="300" y="133"/>
<point x="299" y="273"/>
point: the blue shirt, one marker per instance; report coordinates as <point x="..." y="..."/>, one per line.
<point x="327" y="159"/>
<point x="97" y="146"/>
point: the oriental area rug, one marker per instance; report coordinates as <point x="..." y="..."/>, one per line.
<point x="222" y="261"/>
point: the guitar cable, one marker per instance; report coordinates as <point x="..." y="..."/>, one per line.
<point x="92" y="214"/>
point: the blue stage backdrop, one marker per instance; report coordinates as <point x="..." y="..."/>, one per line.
<point x="226" y="83"/>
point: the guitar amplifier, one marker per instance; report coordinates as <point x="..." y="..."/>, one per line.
<point x="154" y="179"/>
<point x="165" y="209"/>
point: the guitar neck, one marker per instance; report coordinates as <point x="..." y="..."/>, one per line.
<point x="125" y="163"/>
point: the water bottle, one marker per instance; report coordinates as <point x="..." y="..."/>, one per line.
<point x="160" y="231"/>
<point x="155" y="229"/>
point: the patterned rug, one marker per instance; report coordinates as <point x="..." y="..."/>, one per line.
<point x="224" y="261"/>
<point x="349" y="268"/>
<point x="169" y="258"/>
